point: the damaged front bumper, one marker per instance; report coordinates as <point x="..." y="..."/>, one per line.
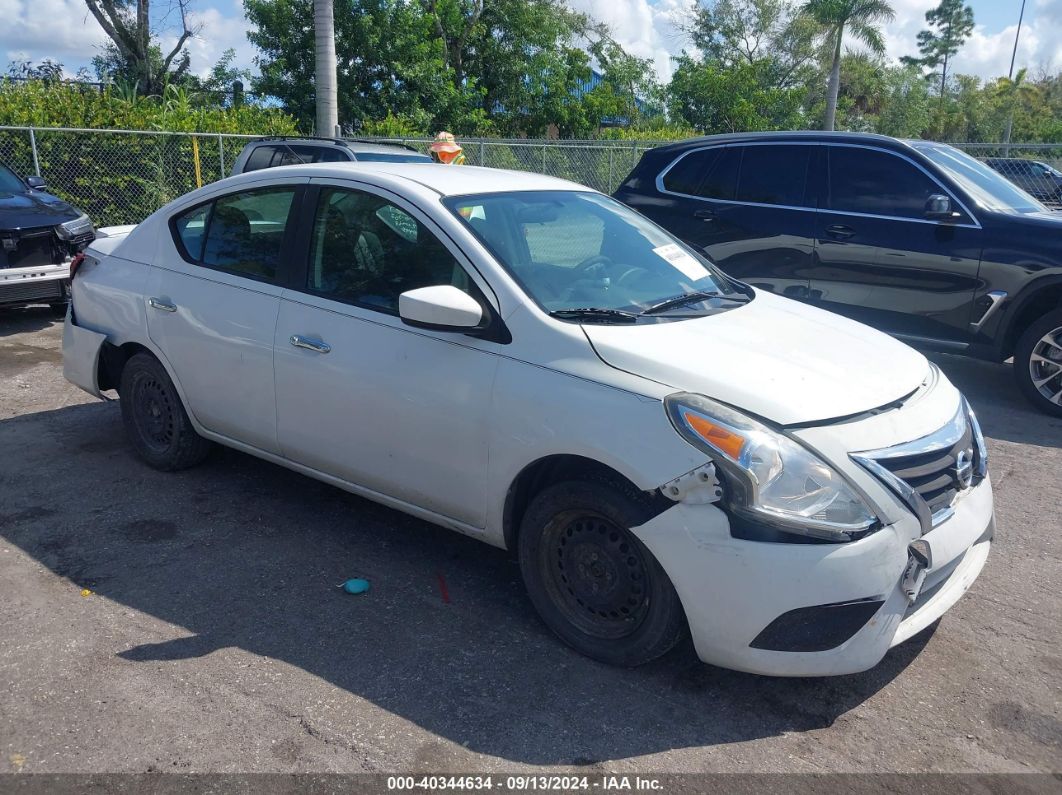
<point x="742" y="595"/>
<point x="46" y="284"/>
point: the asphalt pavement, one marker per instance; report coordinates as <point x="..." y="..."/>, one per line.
<point x="193" y="622"/>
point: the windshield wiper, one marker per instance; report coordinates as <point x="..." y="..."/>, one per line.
<point x="690" y="298"/>
<point x="594" y="313"/>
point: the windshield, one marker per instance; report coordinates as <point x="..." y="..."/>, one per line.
<point x="573" y="250"/>
<point x="9" y="183"/>
<point x="987" y="187"/>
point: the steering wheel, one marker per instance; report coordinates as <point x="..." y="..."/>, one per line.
<point x="590" y="264"/>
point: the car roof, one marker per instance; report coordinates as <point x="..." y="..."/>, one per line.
<point x="788" y="135"/>
<point x="444" y="180"/>
<point x="354" y="144"/>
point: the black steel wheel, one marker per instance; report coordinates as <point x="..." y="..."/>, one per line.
<point x="592" y="581"/>
<point x="595" y="573"/>
<point x="155" y="420"/>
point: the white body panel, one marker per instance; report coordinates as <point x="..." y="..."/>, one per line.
<point x="441" y="425"/>
<point x="768" y="358"/>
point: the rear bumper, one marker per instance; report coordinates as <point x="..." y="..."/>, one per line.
<point x="37" y="284"/>
<point x="733" y="589"/>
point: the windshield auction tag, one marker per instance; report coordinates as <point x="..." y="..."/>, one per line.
<point x="682" y="261"/>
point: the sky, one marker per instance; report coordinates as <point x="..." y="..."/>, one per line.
<point x="64" y="31"/>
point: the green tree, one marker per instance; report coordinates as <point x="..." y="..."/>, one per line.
<point x="770" y="35"/>
<point x="133" y="52"/>
<point x="950" y="24"/>
<point x="511" y="66"/>
<point x="860" y="19"/>
<point x="712" y="98"/>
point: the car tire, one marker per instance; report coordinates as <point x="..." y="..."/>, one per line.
<point x="1038" y="363"/>
<point x="591" y="580"/>
<point x="154" y="418"/>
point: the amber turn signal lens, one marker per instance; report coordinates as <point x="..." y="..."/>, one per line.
<point x="715" y="435"/>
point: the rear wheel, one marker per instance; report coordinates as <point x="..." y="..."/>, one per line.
<point x="1038" y="363"/>
<point x="154" y="418"/>
<point x="592" y="581"/>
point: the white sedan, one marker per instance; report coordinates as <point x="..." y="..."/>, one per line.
<point x="529" y="362"/>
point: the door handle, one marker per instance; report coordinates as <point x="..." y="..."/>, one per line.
<point x="311" y="345"/>
<point x="165" y="306"/>
<point x="705" y="214"/>
<point x="840" y="231"/>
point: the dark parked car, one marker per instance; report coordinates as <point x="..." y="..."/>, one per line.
<point x="911" y="237"/>
<point x="290" y="151"/>
<point x="39" y="234"/>
<point x="1038" y="179"/>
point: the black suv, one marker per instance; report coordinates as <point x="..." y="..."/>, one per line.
<point x="911" y="237"/>
<point x="292" y="150"/>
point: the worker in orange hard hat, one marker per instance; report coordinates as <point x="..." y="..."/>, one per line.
<point x="444" y="149"/>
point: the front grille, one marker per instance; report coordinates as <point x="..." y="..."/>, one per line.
<point x="22" y="291"/>
<point x="934" y="475"/>
<point x="929" y="473"/>
<point x="30" y="250"/>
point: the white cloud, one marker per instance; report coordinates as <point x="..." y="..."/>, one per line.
<point x="651" y="29"/>
<point x="62" y="30"/>
<point x="645" y="29"/>
<point x="986" y="54"/>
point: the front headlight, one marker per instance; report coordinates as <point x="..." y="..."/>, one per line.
<point x="771" y="477"/>
<point x="71" y="229"/>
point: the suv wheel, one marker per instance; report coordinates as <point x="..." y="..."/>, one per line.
<point x="154" y="418"/>
<point x="593" y="583"/>
<point x="1038" y="363"/>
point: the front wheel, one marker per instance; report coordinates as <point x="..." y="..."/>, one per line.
<point x="1038" y="363"/>
<point x="154" y="418"/>
<point x="591" y="580"/>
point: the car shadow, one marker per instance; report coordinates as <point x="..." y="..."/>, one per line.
<point x="1002" y="410"/>
<point x="241" y="553"/>
<point x="26" y="319"/>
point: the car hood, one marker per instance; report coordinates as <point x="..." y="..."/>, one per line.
<point x="773" y="357"/>
<point x="33" y="209"/>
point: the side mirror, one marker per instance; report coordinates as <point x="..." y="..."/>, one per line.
<point x="37" y="183"/>
<point x="442" y="307"/>
<point x="938" y="208"/>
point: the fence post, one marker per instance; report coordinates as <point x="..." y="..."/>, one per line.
<point x="543" y="158"/>
<point x="33" y="146"/>
<point x="482" y="153"/>
<point x="610" y="169"/>
<point x="221" y="157"/>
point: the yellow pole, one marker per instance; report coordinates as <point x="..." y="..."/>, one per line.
<point x="195" y="157"/>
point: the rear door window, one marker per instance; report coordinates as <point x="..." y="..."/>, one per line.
<point x="242" y="233"/>
<point x="873" y="182"/>
<point x="774" y="175"/>
<point x="721" y="182"/>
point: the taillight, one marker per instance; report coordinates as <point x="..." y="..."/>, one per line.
<point x="75" y="263"/>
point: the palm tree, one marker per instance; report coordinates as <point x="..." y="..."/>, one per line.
<point x="858" y="17"/>
<point x="325" y="80"/>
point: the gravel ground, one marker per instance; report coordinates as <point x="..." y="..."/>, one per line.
<point x="214" y="638"/>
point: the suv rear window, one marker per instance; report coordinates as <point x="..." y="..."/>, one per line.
<point x="283" y="154"/>
<point x="774" y="174"/>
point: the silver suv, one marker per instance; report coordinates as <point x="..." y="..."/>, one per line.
<point x="291" y="151"/>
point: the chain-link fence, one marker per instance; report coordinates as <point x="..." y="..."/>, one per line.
<point x="1035" y="168"/>
<point x="120" y="176"/>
